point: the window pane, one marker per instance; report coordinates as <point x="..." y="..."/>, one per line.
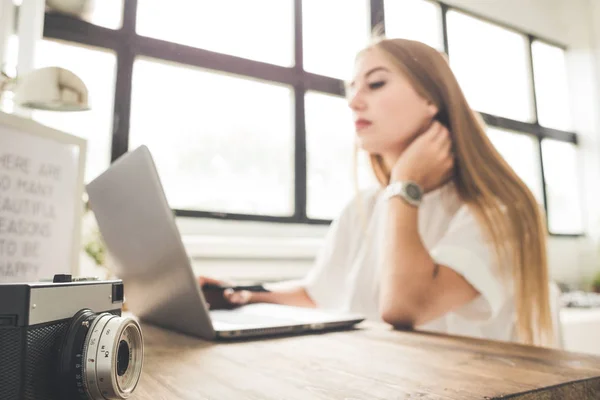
<point x="330" y="48"/>
<point x="97" y="70"/>
<point x="106" y="13"/>
<point x="522" y="154"/>
<point x="221" y="143"/>
<point x="491" y="65"/>
<point x="550" y="72"/>
<point x="261" y="30"/>
<point x="562" y="187"/>
<point x="416" y="20"/>
<point x="11" y="54"/>
<point x="330" y="150"/>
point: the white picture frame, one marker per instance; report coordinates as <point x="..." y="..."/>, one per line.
<point x="41" y="200"/>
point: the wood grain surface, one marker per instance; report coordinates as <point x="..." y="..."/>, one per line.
<point x="370" y="362"/>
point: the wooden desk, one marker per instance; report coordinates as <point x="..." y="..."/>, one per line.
<point x="371" y="362"/>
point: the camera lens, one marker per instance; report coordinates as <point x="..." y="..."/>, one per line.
<point x="122" y="358"/>
<point x="113" y="357"/>
<point x="100" y="357"/>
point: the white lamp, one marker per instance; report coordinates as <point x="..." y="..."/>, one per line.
<point x="50" y="88"/>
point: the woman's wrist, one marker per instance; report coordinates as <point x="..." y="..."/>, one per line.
<point x="257" y="297"/>
<point x="406" y="175"/>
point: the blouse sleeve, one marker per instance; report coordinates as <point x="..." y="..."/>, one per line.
<point x="326" y="276"/>
<point x="464" y="249"/>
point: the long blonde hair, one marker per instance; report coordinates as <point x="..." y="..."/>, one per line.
<point x="503" y="205"/>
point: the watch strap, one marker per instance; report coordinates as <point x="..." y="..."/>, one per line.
<point x="408" y="191"/>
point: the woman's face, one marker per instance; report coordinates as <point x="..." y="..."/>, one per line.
<point x="388" y="112"/>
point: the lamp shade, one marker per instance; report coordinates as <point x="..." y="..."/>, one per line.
<point x="53" y="89"/>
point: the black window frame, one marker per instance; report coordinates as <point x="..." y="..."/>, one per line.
<point x="127" y="45"/>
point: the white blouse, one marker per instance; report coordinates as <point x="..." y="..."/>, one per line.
<point x="346" y="274"/>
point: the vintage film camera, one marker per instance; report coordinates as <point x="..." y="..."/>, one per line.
<point x="66" y="339"/>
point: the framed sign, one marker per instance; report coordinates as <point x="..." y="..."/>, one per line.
<point x="41" y="200"/>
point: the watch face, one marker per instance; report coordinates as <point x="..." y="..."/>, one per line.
<point x="413" y="191"/>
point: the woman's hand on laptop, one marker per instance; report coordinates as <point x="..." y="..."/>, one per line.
<point x="238" y="298"/>
<point x="219" y="299"/>
<point x="220" y="294"/>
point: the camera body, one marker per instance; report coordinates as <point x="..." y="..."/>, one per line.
<point x="67" y="340"/>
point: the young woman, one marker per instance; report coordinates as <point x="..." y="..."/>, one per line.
<point x="452" y="241"/>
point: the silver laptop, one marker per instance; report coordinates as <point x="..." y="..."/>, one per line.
<point x="140" y="232"/>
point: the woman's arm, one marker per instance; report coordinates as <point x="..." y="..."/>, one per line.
<point x="414" y="289"/>
<point x="296" y="296"/>
<point x="281" y="293"/>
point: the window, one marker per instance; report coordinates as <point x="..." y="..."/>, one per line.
<point x="333" y="32"/>
<point x="221" y="143"/>
<point x="416" y="20"/>
<point x="11" y="52"/>
<point x="96" y="67"/>
<point x="248" y="121"/>
<point x="261" y="30"/>
<point x="562" y="187"/>
<point x="522" y="154"/>
<point x="330" y="156"/>
<point x="491" y="65"/>
<point x="551" y="86"/>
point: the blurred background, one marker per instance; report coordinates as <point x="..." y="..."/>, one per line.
<point x="241" y="103"/>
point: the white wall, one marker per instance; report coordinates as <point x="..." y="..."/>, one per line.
<point x="262" y="251"/>
<point x="539" y="17"/>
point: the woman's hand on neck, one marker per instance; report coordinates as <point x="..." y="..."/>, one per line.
<point x="428" y="160"/>
<point x="390" y="159"/>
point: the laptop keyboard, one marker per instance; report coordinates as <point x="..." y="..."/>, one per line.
<point x="239" y="318"/>
<point x="297" y="314"/>
<point x="273" y="315"/>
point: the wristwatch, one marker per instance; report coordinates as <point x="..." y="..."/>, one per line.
<point x="408" y="191"/>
